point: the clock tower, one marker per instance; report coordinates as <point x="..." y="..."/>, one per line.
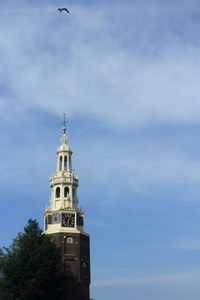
<point x="64" y="220"/>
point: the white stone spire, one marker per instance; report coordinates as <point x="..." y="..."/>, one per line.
<point x="64" y="184"/>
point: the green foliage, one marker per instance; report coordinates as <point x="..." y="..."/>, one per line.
<point x="31" y="268"/>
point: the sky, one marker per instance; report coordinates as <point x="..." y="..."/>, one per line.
<point x="126" y="73"/>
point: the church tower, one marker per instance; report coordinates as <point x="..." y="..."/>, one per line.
<point x="64" y="220"/>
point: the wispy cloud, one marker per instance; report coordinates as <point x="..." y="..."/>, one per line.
<point x="189" y="243"/>
<point x="162" y="279"/>
<point x="125" y="71"/>
<point x="126" y="86"/>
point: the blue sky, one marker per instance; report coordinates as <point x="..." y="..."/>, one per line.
<point x="126" y="73"/>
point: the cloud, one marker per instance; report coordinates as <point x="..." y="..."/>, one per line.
<point x="191" y="244"/>
<point x="143" y="164"/>
<point x="126" y="67"/>
<point x="162" y="279"/>
<point x="102" y="67"/>
<point x="139" y="165"/>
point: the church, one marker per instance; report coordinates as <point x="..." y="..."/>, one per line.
<point x="64" y="220"/>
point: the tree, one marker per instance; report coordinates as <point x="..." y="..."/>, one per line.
<point x="31" y="268"/>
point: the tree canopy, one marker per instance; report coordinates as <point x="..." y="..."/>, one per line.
<point x="31" y="268"/>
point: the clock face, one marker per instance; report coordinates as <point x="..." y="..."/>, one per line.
<point x="68" y="220"/>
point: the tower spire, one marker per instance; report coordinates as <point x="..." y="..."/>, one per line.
<point x="64" y="220"/>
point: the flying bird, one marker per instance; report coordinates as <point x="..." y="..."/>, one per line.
<point x="63" y="9"/>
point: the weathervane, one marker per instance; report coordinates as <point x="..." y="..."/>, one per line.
<point x="64" y="123"/>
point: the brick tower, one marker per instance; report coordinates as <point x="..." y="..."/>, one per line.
<point x="64" y="220"/>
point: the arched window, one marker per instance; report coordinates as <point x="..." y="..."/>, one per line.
<point x="57" y="192"/>
<point x="66" y="192"/>
<point x="60" y="167"/>
<point x="73" y="194"/>
<point x="70" y="240"/>
<point x="65" y="163"/>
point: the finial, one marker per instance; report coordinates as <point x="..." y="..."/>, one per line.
<point x="64" y="124"/>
